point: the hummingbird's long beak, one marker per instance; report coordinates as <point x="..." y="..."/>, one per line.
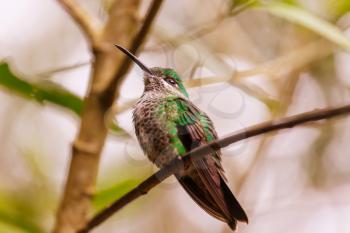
<point x="134" y="59"/>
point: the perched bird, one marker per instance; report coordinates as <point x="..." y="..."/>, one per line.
<point x="167" y="125"/>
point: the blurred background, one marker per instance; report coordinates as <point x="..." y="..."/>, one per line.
<point x="243" y="63"/>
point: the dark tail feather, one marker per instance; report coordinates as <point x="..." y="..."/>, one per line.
<point x="204" y="200"/>
<point x="200" y="197"/>
<point x="232" y="224"/>
<point x="233" y="205"/>
<point x="219" y="192"/>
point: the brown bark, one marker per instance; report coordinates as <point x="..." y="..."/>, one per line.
<point x="120" y="28"/>
<point x="108" y="70"/>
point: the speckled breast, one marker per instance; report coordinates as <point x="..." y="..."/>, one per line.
<point x="151" y="132"/>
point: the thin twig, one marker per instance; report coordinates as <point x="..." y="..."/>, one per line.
<point x="207" y="27"/>
<point x="63" y="69"/>
<point x="82" y="19"/>
<point x="138" y="41"/>
<point x="297" y="59"/>
<point x="126" y="63"/>
<point x="178" y="164"/>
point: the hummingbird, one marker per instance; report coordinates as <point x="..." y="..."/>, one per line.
<point x="167" y="125"/>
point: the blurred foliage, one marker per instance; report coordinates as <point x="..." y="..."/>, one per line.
<point x="42" y="93"/>
<point x="32" y="203"/>
<point x="106" y="196"/>
<point x="22" y="212"/>
<point x="240" y="5"/>
<point x="23" y="209"/>
<point x="315" y="158"/>
<point x="306" y="19"/>
<point x="15" y="222"/>
<point x="325" y="74"/>
<point x="47" y="92"/>
<point x="338" y="7"/>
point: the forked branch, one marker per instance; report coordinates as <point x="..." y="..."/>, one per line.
<point x="121" y="28"/>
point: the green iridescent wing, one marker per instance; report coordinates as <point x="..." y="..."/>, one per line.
<point x="188" y="128"/>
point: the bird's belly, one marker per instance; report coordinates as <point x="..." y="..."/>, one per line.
<point x="153" y="137"/>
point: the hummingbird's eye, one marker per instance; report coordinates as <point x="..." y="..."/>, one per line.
<point x="171" y="81"/>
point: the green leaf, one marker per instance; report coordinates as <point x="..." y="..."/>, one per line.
<point x="106" y="196"/>
<point x="42" y="93"/>
<point x="306" y="19"/>
<point x="13" y="215"/>
<point x="291" y="2"/>
<point x="237" y="3"/>
<point x="241" y="5"/>
<point x="19" y="222"/>
<point x="46" y="92"/>
<point x="338" y="7"/>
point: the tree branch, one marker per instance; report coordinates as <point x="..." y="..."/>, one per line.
<point x="137" y="42"/>
<point x="126" y="63"/>
<point x="82" y="19"/>
<point x="121" y="28"/>
<point x="181" y="163"/>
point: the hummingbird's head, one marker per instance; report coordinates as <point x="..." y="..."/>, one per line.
<point x="164" y="80"/>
